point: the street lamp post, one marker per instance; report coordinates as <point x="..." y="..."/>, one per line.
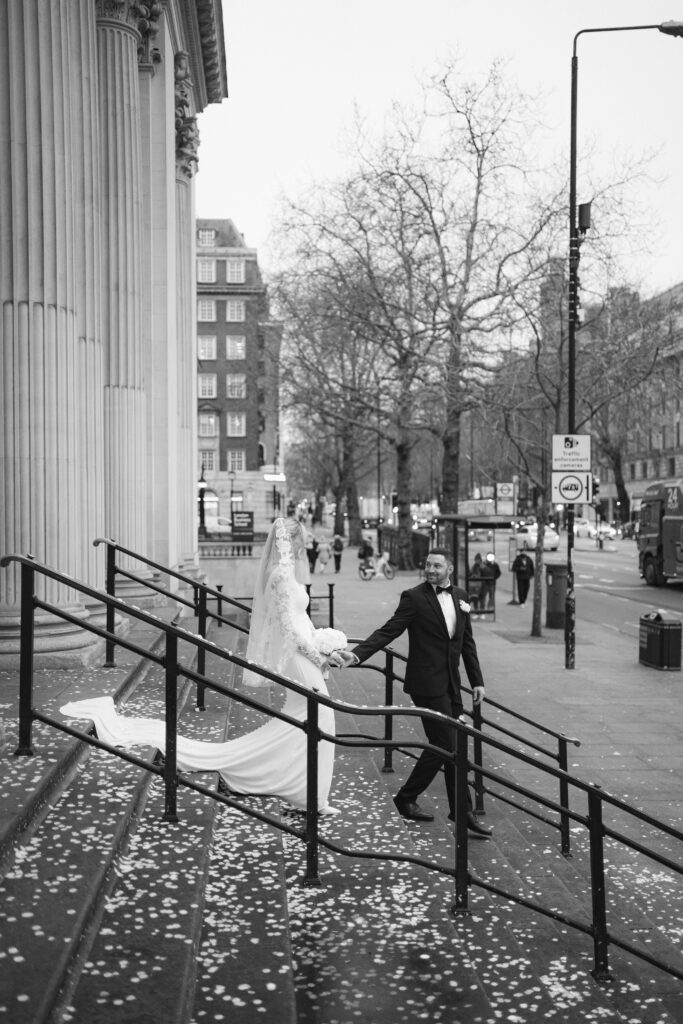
<point x="202" y="516"/>
<point x="231" y="474"/>
<point x="577" y="227"/>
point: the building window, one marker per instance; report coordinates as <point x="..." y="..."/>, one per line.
<point x="633" y="471"/>
<point x="235" y="346"/>
<point x="237" y="424"/>
<point x="234" y="271"/>
<point x="207" y="460"/>
<point x="207" y="346"/>
<point x="236" y="385"/>
<point x="208" y="424"/>
<point x="206" y="271"/>
<point x="206" y="310"/>
<point x="207" y="385"/>
<point x="261" y="454"/>
<point x="237" y="460"/>
<point x="235" y="311"/>
<point x="672" y="467"/>
<point x="206" y="236"/>
<point x="644" y="473"/>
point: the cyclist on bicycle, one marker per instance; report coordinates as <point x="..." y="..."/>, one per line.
<point x="366" y="552"/>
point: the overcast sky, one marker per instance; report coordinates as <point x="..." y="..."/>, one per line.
<point x="295" y="71"/>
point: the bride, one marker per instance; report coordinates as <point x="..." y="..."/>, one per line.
<point x="271" y="759"/>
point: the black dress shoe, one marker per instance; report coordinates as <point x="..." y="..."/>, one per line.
<point x="409" y="809"/>
<point x="475" y="826"/>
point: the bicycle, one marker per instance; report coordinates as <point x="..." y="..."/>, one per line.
<point x="368" y="568"/>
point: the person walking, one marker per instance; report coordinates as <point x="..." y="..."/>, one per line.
<point x="523" y="568"/>
<point x="324" y="554"/>
<point x="337" y="549"/>
<point x="311" y="551"/>
<point x="437" y="617"/>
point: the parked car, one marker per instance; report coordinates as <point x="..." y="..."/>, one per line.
<point x="586" y="528"/>
<point x="217" y="526"/>
<point x="527" y="537"/>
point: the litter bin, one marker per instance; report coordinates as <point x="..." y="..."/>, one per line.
<point x="555" y="595"/>
<point x="660" y="641"/>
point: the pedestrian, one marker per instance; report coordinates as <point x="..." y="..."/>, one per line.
<point x="437" y="617"/>
<point x="311" y="551"/>
<point x="523" y="569"/>
<point x="491" y="574"/>
<point x="475" y="582"/>
<point x="324" y="554"/>
<point x="337" y="548"/>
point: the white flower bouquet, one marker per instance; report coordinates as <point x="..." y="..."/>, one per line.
<point x="329" y="640"/>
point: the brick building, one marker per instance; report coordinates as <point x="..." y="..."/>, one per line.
<point x="237" y="379"/>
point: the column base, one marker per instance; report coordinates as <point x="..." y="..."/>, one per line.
<point x="57" y="644"/>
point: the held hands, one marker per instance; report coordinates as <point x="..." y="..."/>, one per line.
<point x="340" y="659"/>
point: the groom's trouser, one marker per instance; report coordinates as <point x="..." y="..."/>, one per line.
<point x="428" y="763"/>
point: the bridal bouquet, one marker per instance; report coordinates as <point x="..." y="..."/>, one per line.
<point x="329" y="640"/>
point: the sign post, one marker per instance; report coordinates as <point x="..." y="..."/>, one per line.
<point x="572" y="481"/>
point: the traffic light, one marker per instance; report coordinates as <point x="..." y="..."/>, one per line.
<point x="596" y="487"/>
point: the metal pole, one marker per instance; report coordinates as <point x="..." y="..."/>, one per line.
<point x="170" y="758"/>
<point x="25" y="748"/>
<point x="388" y="719"/>
<point x="459" y="765"/>
<point x="312" y="876"/>
<point x="570" y="600"/>
<point x="600" y="970"/>
<point x="564" y="798"/>
<point x="110" y="583"/>
<point x="330" y="589"/>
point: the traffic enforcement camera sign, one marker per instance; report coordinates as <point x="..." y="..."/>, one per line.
<point x="572" y="488"/>
<point x="571" y="453"/>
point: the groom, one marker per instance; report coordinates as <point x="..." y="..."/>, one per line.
<point x="436" y="615"/>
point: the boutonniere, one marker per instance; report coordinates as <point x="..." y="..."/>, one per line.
<point x="465" y="607"/>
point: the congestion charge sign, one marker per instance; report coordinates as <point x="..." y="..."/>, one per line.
<point x="572" y="488"/>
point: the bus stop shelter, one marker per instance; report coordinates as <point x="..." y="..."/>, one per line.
<point x="465" y="536"/>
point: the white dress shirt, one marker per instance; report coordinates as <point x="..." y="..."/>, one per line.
<point x="448" y="609"/>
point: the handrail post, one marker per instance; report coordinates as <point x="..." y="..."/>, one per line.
<point x="201" y="653"/>
<point x="312" y="876"/>
<point x="110" y="585"/>
<point x="477" y="722"/>
<point x="171" y="755"/>
<point x="308" y="606"/>
<point x="28" y="577"/>
<point x="388" y="765"/>
<point x="459" y="765"/>
<point x="564" y="798"/>
<point x="330" y="590"/>
<point x="219" y="605"/>
<point x="600" y="971"/>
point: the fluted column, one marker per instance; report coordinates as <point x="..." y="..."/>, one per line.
<point x="118" y="39"/>
<point x="51" y="499"/>
<point x="187" y="141"/>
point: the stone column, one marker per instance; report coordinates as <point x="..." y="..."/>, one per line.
<point x="118" y="39"/>
<point x="187" y="142"/>
<point x="50" y="455"/>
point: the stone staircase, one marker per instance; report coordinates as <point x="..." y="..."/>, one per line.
<point x="108" y="913"/>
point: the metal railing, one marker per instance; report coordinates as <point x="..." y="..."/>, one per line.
<point x="200" y="603"/>
<point x="597" y="801"/>
<point x="479" y="721"/>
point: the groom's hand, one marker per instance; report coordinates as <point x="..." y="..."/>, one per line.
<point x="478" y="694"/>
<point x="348" y="658"/>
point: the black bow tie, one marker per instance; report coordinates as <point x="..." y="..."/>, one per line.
<point x="444" y="590"/>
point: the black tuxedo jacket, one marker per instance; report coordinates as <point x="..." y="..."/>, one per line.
<point x="433" y="656"/>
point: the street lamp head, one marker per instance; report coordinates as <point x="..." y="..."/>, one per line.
<point x="671" y="28"/>
<point x="202" y="481"/>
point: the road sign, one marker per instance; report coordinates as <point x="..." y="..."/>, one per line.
<point x="571" y="452"/>
<point x="572" y="488"/>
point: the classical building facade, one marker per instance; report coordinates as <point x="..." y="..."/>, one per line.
<point x="98" y="108"/>
<point x="237" y="379"/>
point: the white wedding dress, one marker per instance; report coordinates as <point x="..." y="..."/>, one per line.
<point x="270" y="760"/>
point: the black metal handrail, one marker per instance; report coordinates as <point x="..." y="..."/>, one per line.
<point x="597" y="800"/>
<point x="479" y="721"/>
<point x="202" y="594"/>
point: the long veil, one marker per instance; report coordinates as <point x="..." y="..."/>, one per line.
<point x="284" y="554"/>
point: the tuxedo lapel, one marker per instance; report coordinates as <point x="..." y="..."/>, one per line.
<point x="435" y="605"/>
